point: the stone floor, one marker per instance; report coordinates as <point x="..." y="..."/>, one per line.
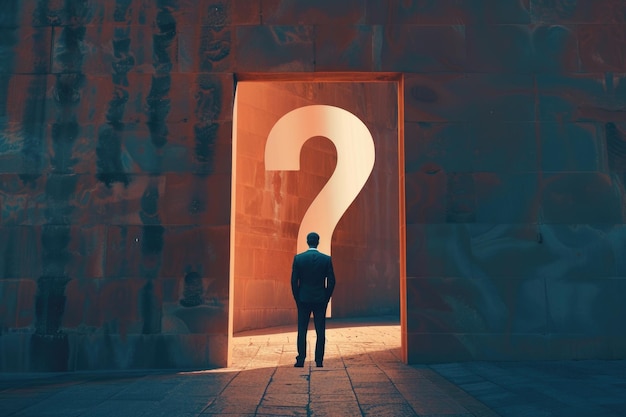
<point x="362" y="376"/>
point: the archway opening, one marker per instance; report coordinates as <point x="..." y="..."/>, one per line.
<point x="268" y="205"/>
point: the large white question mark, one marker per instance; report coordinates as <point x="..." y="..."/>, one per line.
<point x="355" y="161"/>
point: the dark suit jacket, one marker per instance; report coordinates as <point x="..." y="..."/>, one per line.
<point x="312" y="277"/>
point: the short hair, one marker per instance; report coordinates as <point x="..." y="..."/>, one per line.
<point x="313" y="239"/>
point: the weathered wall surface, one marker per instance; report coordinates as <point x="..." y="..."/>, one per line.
<point x="115" y="167"/>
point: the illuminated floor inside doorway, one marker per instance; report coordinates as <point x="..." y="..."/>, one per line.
<point x="361" y="340"/>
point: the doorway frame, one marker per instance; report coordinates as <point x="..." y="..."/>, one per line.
<point x="329" y="77"/>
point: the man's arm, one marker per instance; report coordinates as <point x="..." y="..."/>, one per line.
<point x="330" y="280"/>
<point x="295" y="281"/>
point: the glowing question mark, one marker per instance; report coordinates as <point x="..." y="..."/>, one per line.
<point x="355" y="161"/>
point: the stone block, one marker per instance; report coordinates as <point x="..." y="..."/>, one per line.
<point x="20" y="249"/>
<point x="235" y="12"/>
<point x="494" y="97"/>
<point x="521" y="49"/>
<point x="118" y="203"/>
<point x="431" y="97"/>
<point x="146" y="352"/>
<point x="182" y="13"/>
<point x="601" y="47"/>
<point x="503" y="147"/>
<point x="82" y="306"/>
<point x="267" y="294"/>
<point x="15" y="348"/>
<point x="33" y="54"/>
<point x="422" y="49"/>
<point x="86" y="312"/>
<point x="587" y="252"/>
<point x="436" y="348"/>
<point x="12" y="145"/>
<point x="584" y="302"/>
<point x="147" y="101"/>
<point x="581" y="98"/>
<point x="205" y="49"/>
<point x="506" y="198"/>
<point x="73" y="149"/>
<point x="273" y="262"/>
<point x="17" y="304"/>
<point x="458" y="305"/>
<point x="438" y="250"/>
<point x="581" y="11"/>
<point x="125" y="251"/>
<point x="58" y="14"/>
<point x="508" y="250"/>
<point x="615" y="135"/>
<point x="191" y="199"/>
<point x="209" y="318"/>
<point x="579" y="346"/>
<point x="572" y="147"/>
<point x="344" y="48"/>
<point x="516" y="346"/>
<point x="86" y="309"/>
<point x="213" y="95"/>
<point x="274" y="48"/>
<point x="415" y="12"/>
<point x="108" y="49"/>
<point x="141" y="151"/>
<point x="321" y="12"/>
<point x="67" y="199"/>
<point x="449" y="12"/>
<point x="251" y="318"/>
<point x="460" y="198"/>
<point x="9" y="18"/>
<point x="206" y="252"/>
<point x="482" y="347"/>
<point x="201" y="148"/>
<point x="425" y="195"/>
<point x="581" y="198"/>
<point x="26" y="97"/>
<point x="16" y="200"/>
<point x="494" y="11"/>
<point x="443" y="145"/>
<point x="87" y="247"/>
<point x="556" y="49"/>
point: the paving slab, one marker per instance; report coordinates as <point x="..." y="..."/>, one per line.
<point x="362" y="376"/>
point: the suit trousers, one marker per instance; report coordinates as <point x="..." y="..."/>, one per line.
<point x="319" y="319"/>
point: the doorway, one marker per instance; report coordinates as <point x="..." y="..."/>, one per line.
<point x="268" y="205"/>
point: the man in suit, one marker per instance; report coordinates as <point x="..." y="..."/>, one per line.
<point x="312" y="284"/>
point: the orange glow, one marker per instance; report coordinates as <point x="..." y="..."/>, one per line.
<point x="320" y="155"/>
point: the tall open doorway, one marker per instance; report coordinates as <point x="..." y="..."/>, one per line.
<point x="268" y="205"/>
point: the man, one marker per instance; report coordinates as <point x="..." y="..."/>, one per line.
<point x="312" y="284"/>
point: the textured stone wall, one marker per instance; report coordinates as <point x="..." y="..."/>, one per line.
<point x="115" y="170"/>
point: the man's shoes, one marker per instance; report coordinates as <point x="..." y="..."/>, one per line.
<point x="319" y="364"/>
<point x="298" y="364"/>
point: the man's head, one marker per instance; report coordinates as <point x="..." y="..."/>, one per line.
<point x="313" y="239"/>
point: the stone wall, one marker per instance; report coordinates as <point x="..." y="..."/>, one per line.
<point x="115" y="171"/>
